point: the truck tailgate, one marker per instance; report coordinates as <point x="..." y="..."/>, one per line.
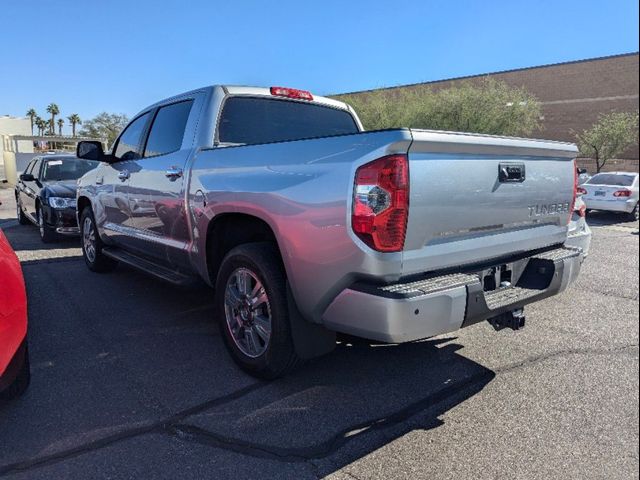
<point x="478" y="197"/>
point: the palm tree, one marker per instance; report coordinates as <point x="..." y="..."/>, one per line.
<point x="74" y="119"/>
<point x="39" y="124"/>
<point x="54" y="110"/>
<point x="31" y="113"/>
<point x="52" y="126"/>
<point x="60" y="125"/>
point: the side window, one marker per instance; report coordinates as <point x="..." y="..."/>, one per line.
<point x="35" y="170"/>
<point x="29" y="166"/>
<point x="128" y="147"/>
<point x="168" y="128"/>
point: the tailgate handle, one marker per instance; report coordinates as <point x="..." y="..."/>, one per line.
<point x="511" y="172"/>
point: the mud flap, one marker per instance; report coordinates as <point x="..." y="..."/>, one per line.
<point x="310" y="340"/>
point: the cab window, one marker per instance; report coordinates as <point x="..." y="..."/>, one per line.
<point x="168" y="129"/>
<point x="129" y="144"/>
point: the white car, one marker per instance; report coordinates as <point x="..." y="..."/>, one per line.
<point x="579" y="231"/>
<point x="612" y="192"/>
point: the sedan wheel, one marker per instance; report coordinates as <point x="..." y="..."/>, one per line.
<point x="47" y="234"/>
<point x="22" y="218"/>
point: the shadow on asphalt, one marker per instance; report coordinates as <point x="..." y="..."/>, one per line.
<point x="602" y="218"/>
<point x="121" y="355"/>
<point x="26" y="237"/>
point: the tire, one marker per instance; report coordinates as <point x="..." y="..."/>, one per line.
<point x="635" y="214"/>
<point x="22" y="218"/>
<point x="47" y="234"/>
<point x="21" y="382"/>
<point x="258" y="263"/>
<point x="92" y="245"/>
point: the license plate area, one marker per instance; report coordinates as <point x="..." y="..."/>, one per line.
<point x="495" y="278"/>
<point x="511" y="172"/>
<point x="600" y="193"/>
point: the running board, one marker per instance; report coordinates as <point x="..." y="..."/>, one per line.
<point x="146" y="266"/>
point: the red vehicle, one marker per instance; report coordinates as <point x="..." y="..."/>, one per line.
<point x="14" y="355"/>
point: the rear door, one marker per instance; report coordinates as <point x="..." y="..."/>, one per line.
<point x="156" y="188"/>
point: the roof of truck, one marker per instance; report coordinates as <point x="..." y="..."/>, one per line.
<point x="249" y="90"/>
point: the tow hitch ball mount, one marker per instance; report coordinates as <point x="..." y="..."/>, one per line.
<point x="515" y="320"/>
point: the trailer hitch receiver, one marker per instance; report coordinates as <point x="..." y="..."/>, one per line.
<point x="515" y="320"/>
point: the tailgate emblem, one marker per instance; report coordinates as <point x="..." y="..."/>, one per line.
<point x="548" y="209"/>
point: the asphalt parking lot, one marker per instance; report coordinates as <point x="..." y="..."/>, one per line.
<point x="131" y="380"/>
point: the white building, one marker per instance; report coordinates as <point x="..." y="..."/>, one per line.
<point x="13" y="126"/>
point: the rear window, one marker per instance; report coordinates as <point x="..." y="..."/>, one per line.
<point x="615" y="180"/>
<point x="249" y="120"/>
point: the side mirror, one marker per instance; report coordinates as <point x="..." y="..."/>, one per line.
<point x="90" y="150"/>
<point x="27" y="177"/>
<point x="582" y="171"/>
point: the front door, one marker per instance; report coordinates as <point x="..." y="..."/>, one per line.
<point x="31" y="190"/>
<point x="113" y="214"/>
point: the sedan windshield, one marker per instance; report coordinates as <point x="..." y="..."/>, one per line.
<point x="613" y="179"/>
<point x="57" y="169"/>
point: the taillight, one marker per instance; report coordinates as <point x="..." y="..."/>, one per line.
<point x="622" y="193"/>
<point x="575" y="190"/>
<point x="582" y="211"/>
<point x="381" y="203"/>
<point x="291" y="93"/>
<point x="581" y="191"/>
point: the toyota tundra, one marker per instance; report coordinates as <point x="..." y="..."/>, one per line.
<point x="306" y="225"/>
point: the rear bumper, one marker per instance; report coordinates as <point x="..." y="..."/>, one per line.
<point x="616" y="205"/>
<point x="580" y="238"/>
<point x="432" y="306"/>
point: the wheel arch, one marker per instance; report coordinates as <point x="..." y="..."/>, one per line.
<point x="228" y="230"/>
<point x="82" y="203"/>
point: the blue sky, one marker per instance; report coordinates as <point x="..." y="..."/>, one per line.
<point x="90" y="56"/>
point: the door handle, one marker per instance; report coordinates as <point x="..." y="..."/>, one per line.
<point x="123" y="175"/>
<point x="173" y="172"/>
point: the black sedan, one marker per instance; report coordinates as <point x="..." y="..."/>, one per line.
<point x="46" y="194"/>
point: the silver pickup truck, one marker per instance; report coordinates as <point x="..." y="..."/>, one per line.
<point x="307" y="225"/>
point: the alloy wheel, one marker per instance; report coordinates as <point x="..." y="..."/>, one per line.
<point x="89" y="239"/>
<point x="41" y="223"/>
<point x="247" y="312"/>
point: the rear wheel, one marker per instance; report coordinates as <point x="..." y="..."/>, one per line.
<point x="47" y="234"/>
<point x="92" y="245"/>
<point x="251" y="306"/>
<point x="22" y="218"/>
